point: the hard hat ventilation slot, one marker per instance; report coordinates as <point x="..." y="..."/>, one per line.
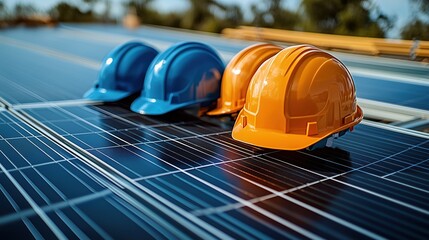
<point x="243" y="121"/>
<point x="348" y="119"/>
<point x="312" y="129"/>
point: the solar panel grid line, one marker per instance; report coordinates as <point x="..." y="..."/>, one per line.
<point x="364" y="166"/>
<point x="146" y="224"/>
<point x="270" y="215"/>
<point x="333" y="178"/>
<point x="322" y="213"/>
<point x="99" y="230"/>
<point x="127" y="183"/>
<point x="227" y="142"/>
<point x="231" y="224"/>
<point x="196" y="167"/>
<point x="121" y="119"/>
<point x="61" y="103"/>
<point x="228" y="149"/>
<point x="416" y="198"/>
<point x="227" y="162"/>
<point x="355" y="211"/>
<point x="389" y="145"/>
<point x="171" y="230"/>
<point x="29" y="139"/>
<point x="411" y="179"/>
<point x="127" y="168"/>
<point x="387" y="179"/>
<point x="392" y="165"/>
<point x="403" y="169"/>
<point x="211" y="195"/>
<point x="53" y="207"/>
<point x="77" y="232"/>
<point x="12" y="125"/>
<point x="52" y="226"/>
<point x="21" y="89"/>
<point x="17" y="208"/>
<point x="223" y="144"/>
<point x="282" y="194"/>
<point x="407" y="185"/>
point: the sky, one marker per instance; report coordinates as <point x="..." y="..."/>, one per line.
<point x="399" y="9"/>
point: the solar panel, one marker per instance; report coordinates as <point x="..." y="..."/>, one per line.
<point x="88" y="170"/>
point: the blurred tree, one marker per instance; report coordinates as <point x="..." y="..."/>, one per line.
<point x="65" y="12"/>
<point x="90" y="3"/>
<point x="144" y="11"/>
<point x="234" y="15"/>
<point x="2" y="10"/>
<point x="424" y="5"/>
<point x="346" y="17"/>
<point x="106" y="14"/>
<point x="200" y="15"/>
<point x="274" y="15"/>
<point x="22" y="10"/>
<point x="417" y="28"/>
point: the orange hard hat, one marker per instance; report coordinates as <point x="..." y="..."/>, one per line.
<point x="297" y="98"/>
<point x="237" y="75"/>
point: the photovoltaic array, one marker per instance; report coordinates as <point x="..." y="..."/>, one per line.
<point x="75" y="169"/>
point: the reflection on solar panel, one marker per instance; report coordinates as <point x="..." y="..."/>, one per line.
<point x="87" y="170"/>
<point x="374" y="183"/>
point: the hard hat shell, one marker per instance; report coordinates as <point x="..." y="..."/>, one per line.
<point x="187" y="73"/>
<point x="122" y="72"/>
<point x="238" y="74"/>
<point x="297" y="98"/>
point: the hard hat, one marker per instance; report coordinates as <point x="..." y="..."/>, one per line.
<point x="122" y="72"/>
<point x="187" y="73"/>
<point x="237" y="76"/>
<point x="297" y="98"/>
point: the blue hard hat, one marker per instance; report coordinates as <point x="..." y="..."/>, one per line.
<point x="185" y="74"/>
<point x="122" y="72"/>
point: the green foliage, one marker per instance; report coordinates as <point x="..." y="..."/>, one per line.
<point x="352" y="17"/>
<point x="416" y="30"/>
<point x="65" y="12"/>
<point x="274" y="16"/>
<point x="24" y="10"/>
<point x="145" y="12"/>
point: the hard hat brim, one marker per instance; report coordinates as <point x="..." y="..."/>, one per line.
<point x="280" y="140"/>
<point x="105" y="95"/>
<point x="223" y="111"/>
<point x="149" y="106"/>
